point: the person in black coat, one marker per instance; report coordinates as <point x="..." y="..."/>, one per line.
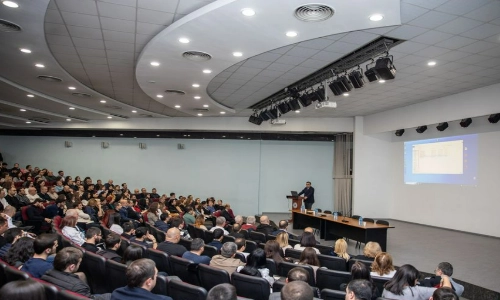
<point x="308" y="193"/>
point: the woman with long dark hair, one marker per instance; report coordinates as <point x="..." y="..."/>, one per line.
<point x="256" y="266"/>
<point x="307" y="240"/>
<point x="273" y="251"/>
<point x="132" y="253"/>
<point x="403" y="286"/>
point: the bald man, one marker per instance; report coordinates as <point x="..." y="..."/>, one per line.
<point x="171" y="244"/>
<point x="265" y="227"/>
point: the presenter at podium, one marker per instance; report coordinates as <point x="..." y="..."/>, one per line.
<point x="308" y="192"/>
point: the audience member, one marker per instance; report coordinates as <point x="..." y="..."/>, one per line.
<point x="23" y="289"/>
<point x="282" y="227"/>
<point x="20" y="252"/>
<point x="93" y="236"/>
<point x="197" y="248"/>
<point x="188" y="217"/>
<point x="162" y="224"/>
<point x="142" y="236"/>
<point x="382" y="266"/>
<point x="310" y="258"/>
<point x="56" y="209"/>
<point x="295" y="274"/>
<point x="403" y="285"/>
<point x="11" y="236"/>
<point x="282" y="239"/>
<point x="128" y="230"/>
<point x="115" y="221"/>
<point x="217" y="241"/>
<point x="141" y="280"/>
<point x="340" y="249"/>
<point x="250" y="225"/>
<point x="178" y="223"/>
<point x="297" y="290"/>
<point x="236" y="232"/>
<point x="241" y="246"/>
<point x="307" y="240"/>
<point x="225" y="260"/>
<point x="113" y="243"/>
<point x="131" y="254"/>
<point x="370" y="250"/>
<point x="265" y="227"/>
<point x="273" y="251"/>
<point x="444" y="293"/>
<point x="171" y="244"/>
<point x="361" y="271"/>
<point x="71" y="231"/>
<point x="200" y="222"/>
<point x="153" y="213"/>
<point x="256" y="266"/>
<point x="359" y="289"/>
<point x="223" y="291"/>
<point x="43" y="246"/>
<point x="447" y="269"/>
<point x="220" y="222"/>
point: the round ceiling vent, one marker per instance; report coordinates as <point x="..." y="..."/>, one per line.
<point x="49" y="78"/>
<point x="6" y="26"/>
<point x="313" y="12"/>
<point x="196" y="56"/>
<point x="175" y="92"/>
<point x="82" y="95"/>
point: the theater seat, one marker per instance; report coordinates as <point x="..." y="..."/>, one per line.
<point x="250" y="286"/>
<point x="51" y="291"/>
<point x="186" y="243"/>
<point x="185" y="269"/>
<point x="3" y="279"/>
<point x="257" y="237"/>
<point x="367" y="263"/>
<point x="285" y="267"/>
<point x="115" y="274"/>
<point x="210" y="276"/>
<point x="181" y="290"/>
<point x="93" y="266"/>
<point x="210" y="251"/>
<point x="13" y="274"/>
<point x="272" y="266"/>
<point x="295" y="254"/>
<point x="250" y="246"/>
<point x="208" y="236"/>
<point x="331" y="279"/>
<point x="68" y="295"/>
<point x="327" y="294"/>
<point x="161" y="260"/>
<point x="332" y="262"/>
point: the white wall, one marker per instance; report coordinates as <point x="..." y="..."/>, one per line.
<point x="254" y="176"/>
<point x="379" y="188"/>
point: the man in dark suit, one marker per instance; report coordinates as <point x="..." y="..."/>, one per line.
<point x="308" y="192"/>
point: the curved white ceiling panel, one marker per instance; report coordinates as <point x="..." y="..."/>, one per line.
<point x="220" y="29"/>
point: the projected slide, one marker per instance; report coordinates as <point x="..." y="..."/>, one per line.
<point x="451" y="160"/>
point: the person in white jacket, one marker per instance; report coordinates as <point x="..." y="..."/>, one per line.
<point x="71" y="231"/>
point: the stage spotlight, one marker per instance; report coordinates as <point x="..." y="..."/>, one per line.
<point x="334" y="87"/>
<point x="371" y="75"/>
<point x="421" y="129"/>
<point x="320" y="92"/>
<point x="294" y="104"/>
<point x="305" y="100"/>
<point x="255" y="120"/>
<point x="465" y="122"/>
<point x="385" y="68"/>
<point x="272" y="113"/>
<point x="264" y="116"/>
<point x="356" y="78"/>
<point x="313" y="96"/>
<point x="442" y="126"/>
<point x="399" y="132"/>
<point x="284" y="107"/>
<point x="344" y="84"/>
<point x="494" y="118"/>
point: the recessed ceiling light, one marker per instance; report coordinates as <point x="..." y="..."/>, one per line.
<point x="135" y="137"/>
<point x="222" y="112"/>
<point x="72" y="108"/>
<point x="197" y="97"/>
<point x="158" y="135"/>
<point x="291" y="34"/>
<point x="199" y="115"/>
<point x="24" y="50"/>
<point x="196" y="85"/>
<point x="376" y="17"/>
<point x="345" y="94"/>
<point x="121" y="134"/>
<point x="205" y="105"/>
<point x="223" y="136"/>
<point x="68" y="120"/>
<point x="31" y="96"/>
<point x="159" y="96"/>
<point x="155" y="63"/>
<point x="10" y="4"/>
<point x="22" y="109"/>
<point x="71" y="87"/>
<point x="381" y="81"/>
<point x="237" y="54"/>
<point x="134" y="111"/>
<point x="297" y="111"/>
<point x="110" y="117"/>
<point x="177" y="106"/>
<point x="39" y="66"/>
<point x="103" y="101"/>
<point x="184" y="40"/>
<point x="248" y="12"/>
<point x="28" y="122"/>
<point x="431" y="63"/>
<point x="206" y="71"/>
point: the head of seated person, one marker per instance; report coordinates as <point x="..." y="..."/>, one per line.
<point x="23" y="289"/>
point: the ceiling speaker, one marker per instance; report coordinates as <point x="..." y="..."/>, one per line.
<point x="399" y="132"/>
<point x="284" y="107"/>
<point x="257" y="120"/>
<point x="494" y="118"/>
<point x="421" y="129"/>
<point x="305" y="100"/>
<point x="294" y="104"/>
<point x="356" y="78"/>
<point x="442" y="126"/>
<point x="465" y="122"/>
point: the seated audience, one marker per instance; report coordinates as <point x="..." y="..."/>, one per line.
<point x="93" y="236"/>
<point x="361" y="271"/>
<point x="220" y="222"/>
<point x="382" y="266"/>
<point x="114" y="223"/>
<point x="283" y="226"/>
<point x="250" y="225"/>
<point x="282" y="239"/>
<point x="128" y="230"/>
<point x="143" y="237"/>
<point x="141" y="280"/>
<point x="307" y="240"/>
<point x="340" y="249"/>
<point x="236" y="232"/>
<point x="297" y="290"/>
<point x="444" y="293"/>
<point x="273" y="251"/>
<point x="447" y="269"/>
<point x="403" y="285"/>
<point x="35" y="212"/>
<point x="162" y="224"/>
<point x="225" y="260"/>
<point x="131" y="254"/>
<point x="171" y="244"/>
<point x="56" y="209"/>
<point x="295" y="274"/>
<point x="369" y="252"/>
<point x="93" y="210"/>
<point x="227" y="214"/>
<point x="200" y="222"/>
<point x="11" y="236"/>
<point x="178" y="223"/>
<point x="223" y="291"/>
<point x="359" y="289"/>
<point x="240" y="246"/>
<point x="113" y="243"/>
<point x="66" y="264"/>
<point x="256" y="266"/>
<point x="71" y="231"/>
<point x="153" y="213"/>
<point x="197" y="248"/>
<point x="189" y="216"/>
<point x="310" y="258"/>
<point x="264" y="226"/>
<point x="82" y="217"/>
<point x="217" y="241"/>
<point x="20" y="252"/>
<point x="23" y="289"/>
<point x="43" y="246"/>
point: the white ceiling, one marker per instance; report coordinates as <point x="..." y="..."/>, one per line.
<point x="96" y="46"/>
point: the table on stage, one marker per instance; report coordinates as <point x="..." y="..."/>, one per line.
<point x="331" y="229"/>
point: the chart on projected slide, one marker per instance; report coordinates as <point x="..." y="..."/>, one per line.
<point x="439" y="158"/>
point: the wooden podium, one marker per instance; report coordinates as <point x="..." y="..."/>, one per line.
<point x="296" y="204"/>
